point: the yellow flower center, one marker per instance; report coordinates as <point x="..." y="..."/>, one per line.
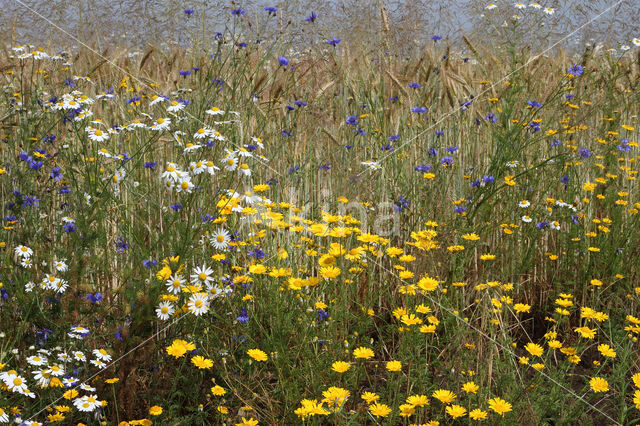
<point x="202" y="276"/>
<point x="98" y="132"/>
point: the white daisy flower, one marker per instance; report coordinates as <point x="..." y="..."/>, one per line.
<point x="197" y="167"/>
<point x="175" y="283"/>
<point x="636" y="41"/>
<point x="524" y="204"/>
<point x="491" y="6"/>
<point x="26" y="263"/>
<point x="87" y="403"/>
<point x="23" y="251"/>
<point x="55" y="370"/>
<point x="161" y="124"/>
<point x="549" y="10"/>
<point x="98" y="363"/>
<point x="28" y="287"/>
<point x="190" y="147"/>
<point x="36" y="360"/>
<point x="244" y="169"/>
<point x="102" y="354"/>
<point x="202" y="275"/>
<point x="157" y="99"/>
<point x="175" y="106"/>
<point x="137" y="124"/>
<point x="198" y="304"/>
<point x="185" y="185"/>
<point x="526" y="219"/>
<point x="220" y="239"/>
<point x="60" y="265"/>
<point x="171" y="172"/>
<point x="215" y="111"/>
<point x="97" y="135"/>
<point x="165" y="310"/>
<point x="373" y="165"/>
<point x="69" y="381"/>
<point x="79" y="356"/>
<point x="86" y="387"/>
<point x="230" y="163"/>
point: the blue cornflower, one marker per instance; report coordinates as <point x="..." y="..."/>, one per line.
<point x="150" y="164"/>
<point x="419" y="110"/>
<point x="243" y="317"/>
<point x="322" y="315"/>
<point x="569" y="96"/>
<point x="55" y="174"/>
<point x="270" y="10"/>
<point x="293" y="169"/>
<point x="238" y="12"/>
<point x="334" y="41"/>
<point x="176" y="207"/>
<point x="393" y="99"/>
<point x="300" y="104"/>
<point x="491" y="117"/>
<point x="325" y="166"/>
<point x="542" y="225"/>
<point x="121" y="245"/>
<point x="415" y="85"/>
<point x="188" y="12"/>
<point x="133" y="100"/>
<point x="436" y="38"/>
<point x="576" y="70"/>
<point x="283" y="61"/>
<point x="565" y="180"/>
<point x="439" y="133"/>
<point x="184" y="73"/>
<point x="422" y="168"/>
<point x="432" y="152"/>
<point x="360" y="131"/>
<point x="387" y="147"/>
<point x="352" y="120"/>
<point x="149" y="263"/>
<point x="64" y="190"/>
<point x="31" y="201"/>
<point x="556" y="142"/>
<point x="534" y="104"/>
<point x="584" y="153"/>
<point x="451" y="149"/>
<point x="35" y="165"/>
<point x="286" y="133"/>
<point x="312" y="17"/>
<point x="257" y="253"/>
<point x="393" y="138"/>
<point x="446" y="161"/>
<point x="459" y="209"/>
<point x="94" y="298"/>
<point x="69" y="227"/>
<point x="475" y="183"/>
<point x="488" y="179"/>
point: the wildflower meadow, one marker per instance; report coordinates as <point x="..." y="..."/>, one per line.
<point x="239" y="231"/>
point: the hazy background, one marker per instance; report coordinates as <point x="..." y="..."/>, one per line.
<point x="135" y="23"/>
